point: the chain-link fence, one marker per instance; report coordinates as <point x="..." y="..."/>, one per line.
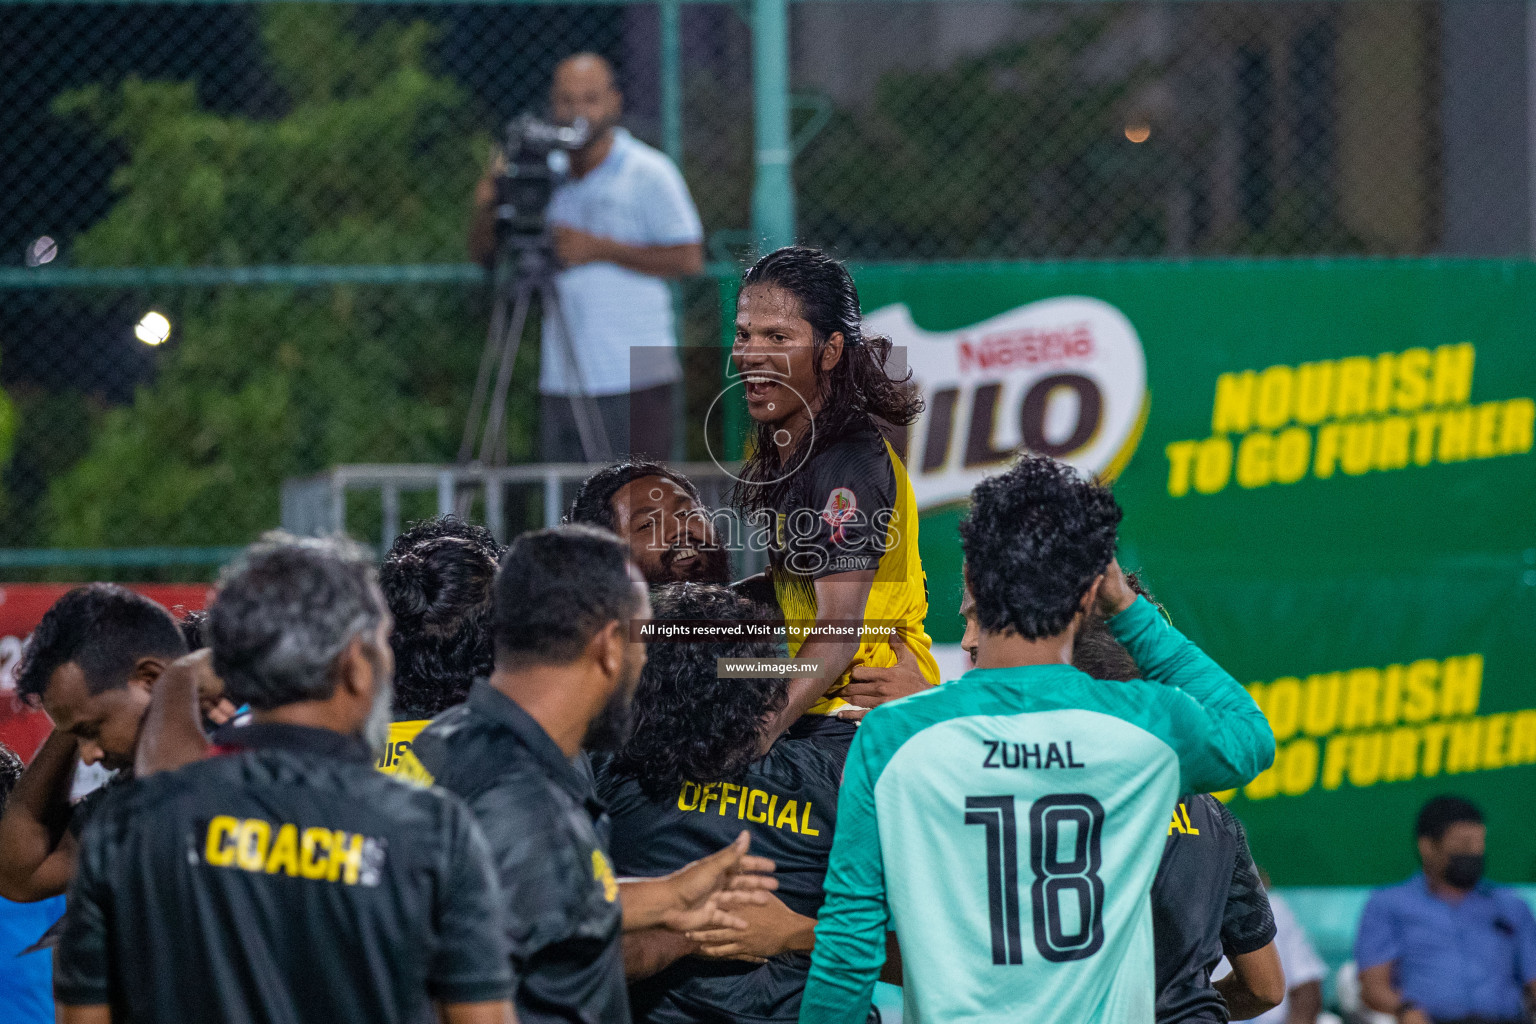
<point x="1124" y="130"/>
<point x="159" y="152"/>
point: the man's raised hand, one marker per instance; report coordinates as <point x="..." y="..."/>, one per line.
<point x="731" y="869"/>
<point x="1115" y="593"/>
<point x="766" y="930"/>
<point x="216" y="707"/>
<point x="871" y="687"/>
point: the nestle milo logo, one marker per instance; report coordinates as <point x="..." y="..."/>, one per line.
<point x="1065" y="377"/>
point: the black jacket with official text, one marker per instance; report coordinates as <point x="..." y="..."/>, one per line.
<point x="282" y="881"/>
<point x="787" y="800"/>
<point x="1206" y="900"/>
<point x="549" y="840"/>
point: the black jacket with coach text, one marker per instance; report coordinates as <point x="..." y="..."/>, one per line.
<point x="1206" y="900"/>
<point x="282" y="881"/>
<point x="549" y="840"/>
<point x="787" y="800"/>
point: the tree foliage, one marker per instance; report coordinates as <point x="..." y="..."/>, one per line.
<point x="370" y="161"/>
<point x="1023" y="151"/>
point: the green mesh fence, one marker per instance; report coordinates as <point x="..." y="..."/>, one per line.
<point x="287" y="185"/>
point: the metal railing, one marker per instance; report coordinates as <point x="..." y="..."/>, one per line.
<point x="317" y="505"/>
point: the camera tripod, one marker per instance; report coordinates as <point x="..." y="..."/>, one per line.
<point x="526" y="270"/>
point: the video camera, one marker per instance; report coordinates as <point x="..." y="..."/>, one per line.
<point x="524" y="189"/>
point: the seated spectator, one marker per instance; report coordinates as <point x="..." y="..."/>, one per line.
<point x="1445" y="946"/>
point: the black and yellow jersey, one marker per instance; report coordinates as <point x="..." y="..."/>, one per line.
<point x="399" y="758"/>
<point x="787" y="800"/>
<point x="281" y="880"/>
<point x="1207" y="901"/>
<point x="851" y="508"/>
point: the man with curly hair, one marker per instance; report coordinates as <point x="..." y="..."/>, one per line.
<point x="436" y="579"/>
<point x="1006" y="823"/>
<point x="689" y="777"/>
<point x="660" y="515"/>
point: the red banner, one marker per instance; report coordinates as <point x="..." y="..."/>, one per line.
<point x="21" y="608"/>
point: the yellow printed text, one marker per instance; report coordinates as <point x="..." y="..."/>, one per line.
<point x="1372" y="725"/>
<point x="318" y="854"/>
<point x="747" y="804"/>
<point x="1340" y="418"/>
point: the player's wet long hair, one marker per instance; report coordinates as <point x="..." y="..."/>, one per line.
<point x="858" y="391"/>
<point x="689" y="724"/>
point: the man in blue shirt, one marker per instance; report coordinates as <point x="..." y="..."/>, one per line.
<point x="1446" y="946"/>
<point x="622" y="223"/>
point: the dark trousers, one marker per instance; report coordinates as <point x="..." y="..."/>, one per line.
<point x="638" y="424"/>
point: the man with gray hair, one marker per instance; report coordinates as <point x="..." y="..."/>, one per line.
<point x="284" y="875"/>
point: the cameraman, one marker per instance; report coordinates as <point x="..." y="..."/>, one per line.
<point x="621" y="224"/>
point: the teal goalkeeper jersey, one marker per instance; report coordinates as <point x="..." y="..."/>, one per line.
<point x="1010" y="824"/>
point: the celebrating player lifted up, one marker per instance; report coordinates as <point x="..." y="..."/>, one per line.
<point x="1012" y="820"/>
<point x="831" y="491"/>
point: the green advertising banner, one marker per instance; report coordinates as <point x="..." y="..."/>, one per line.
<point x="1328" y="479"/>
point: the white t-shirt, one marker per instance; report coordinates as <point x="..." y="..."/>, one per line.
<point x="620" y="321"/>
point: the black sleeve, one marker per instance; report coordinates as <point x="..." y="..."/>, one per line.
<point x="849" y="501"/>
<point x="1247" y="923"/>
<point x="470" y="962"/>
<point x="538" y="876"/>
<point x="82" y="963"/>
<point x="87" y="805"/>
<point x="619" y="794"/>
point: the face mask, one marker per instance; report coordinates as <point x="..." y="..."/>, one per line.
<point x="1464" y="870"/>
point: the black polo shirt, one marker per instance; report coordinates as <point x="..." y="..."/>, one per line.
<point x="281" y="880"/>
<point x="549" y="840"/>
<point x="787" y="800"/>
<point x="1206" y="900"/>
